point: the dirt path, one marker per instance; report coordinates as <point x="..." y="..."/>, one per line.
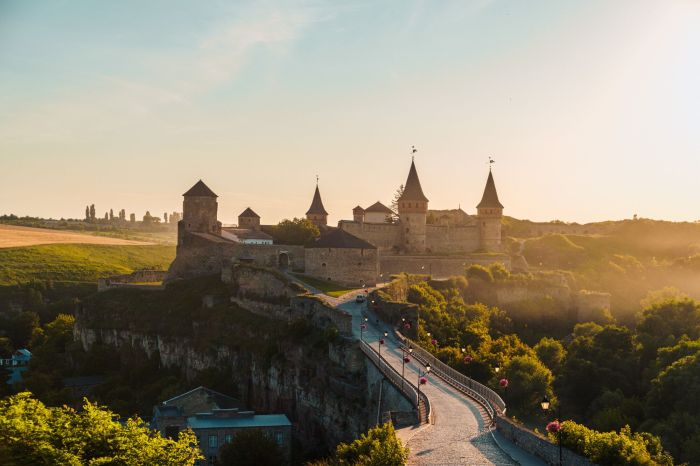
<point x="14" y="236"/>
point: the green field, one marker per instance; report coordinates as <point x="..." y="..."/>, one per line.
<point x="331" y="289"/>
<point x="79" y="262"/>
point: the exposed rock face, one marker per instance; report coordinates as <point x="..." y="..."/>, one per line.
<point x="301" y="366"/>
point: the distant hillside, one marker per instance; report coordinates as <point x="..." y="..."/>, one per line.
<point x="79" y="262"/>
<point x="630" y="259"/>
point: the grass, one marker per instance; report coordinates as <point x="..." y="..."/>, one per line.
<point x="331" y="289"/>
<point x="79" y="262"/>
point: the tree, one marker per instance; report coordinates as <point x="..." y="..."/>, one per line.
<point x="87" y="213"/>
<point x="111" y="215"/>
<point x="528" y="381"/>
<point x="551" y="352"/>
<point x="165" y="217"/>
<point x="395" y="202"/>
<point x="479" y="272"/>
<point x="664" y="323"/>
<point x="92" y="212"/>
<point x="132" y="218"/>
<point x="251" y="447"/>
<point x="378" y="447"/>
<point x="32" y="433"/>
<point x="297" y="231"/>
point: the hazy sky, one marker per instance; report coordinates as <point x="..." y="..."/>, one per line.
<point x="591" y="109"/>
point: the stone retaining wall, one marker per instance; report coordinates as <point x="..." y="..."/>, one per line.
<point x="141" y="279"/>
<point x="538" y="445"/>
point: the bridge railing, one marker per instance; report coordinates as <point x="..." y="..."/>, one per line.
<point x="421" y="403"/>
<point x="489" y="399"/>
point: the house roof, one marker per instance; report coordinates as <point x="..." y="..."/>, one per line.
<point x="248" y="233"/>
<point x="317" y="204"/>
<point x="257" y="420"/>
<point x="201" y="190"/>
<point x="358" y="209"/>
<point x="490" y="197"/>
<point x="216" y="399"/>
<point x="338" y="238"/>
<point x="379" y="207"/>
<point x="412" y="190"/>
<point x="249" y="213"/>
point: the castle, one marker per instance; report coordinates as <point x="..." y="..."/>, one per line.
<point x="423" y="231"/>
<point x="357" y="252"/>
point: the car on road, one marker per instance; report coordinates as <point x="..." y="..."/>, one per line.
<point x="360" y="299"/>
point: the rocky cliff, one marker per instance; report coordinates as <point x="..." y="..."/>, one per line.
<point x="316" y="377"/>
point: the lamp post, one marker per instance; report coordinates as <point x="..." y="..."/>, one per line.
<point x="381" y="342"/>
<point x="545" y="404"/>
<point x="363" y="327"/>
<point x="422" y="380"/>
<point x="405" y="360"/>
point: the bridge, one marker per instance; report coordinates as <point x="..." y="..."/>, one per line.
<point x="456" y="413"/>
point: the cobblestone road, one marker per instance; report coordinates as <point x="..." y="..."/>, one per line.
<point x="459" y="435"/>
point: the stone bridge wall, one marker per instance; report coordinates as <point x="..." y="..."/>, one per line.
<point x="141" y="279"/>
<point x="538" y="445"/>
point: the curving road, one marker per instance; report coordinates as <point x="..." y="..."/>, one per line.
<point x="460" y="433"/>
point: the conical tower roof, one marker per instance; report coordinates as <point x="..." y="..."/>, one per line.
<point x="317" y="205"/>
<point x="412" y="190"/>
<point x="201" y="190"/>
<point x="490" y="197"/>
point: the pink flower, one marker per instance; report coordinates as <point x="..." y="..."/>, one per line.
<point x="423" y="381"/>
<point x="553" y="426"/>
<point x="381" y="342"/>
<point x="468" y="359"/>
<point x="434" y="342"/>
<point x="407" y="326"/>
<point x="406" y="359"/>
<point x="503" y="383"/>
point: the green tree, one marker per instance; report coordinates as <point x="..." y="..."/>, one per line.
<point x="479" y="272"/>
<point x="664" y="323"/>
<point x="251" y="447"/>
<point x="297" y="231"/>
<point x="32" y="433"/>
<point x="551" y="352"/>
<point x="613" y="448"/>
<point x="673" y="404"/>
<point x="378" y="447"/>
<point x="528" y="381"/>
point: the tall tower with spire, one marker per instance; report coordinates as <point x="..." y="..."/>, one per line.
<point x="413" y="212"/>
<point x="489" y="215"/>
<point x="317" y="213"/>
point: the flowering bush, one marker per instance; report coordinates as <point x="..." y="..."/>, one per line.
<point x="503" y="383"/>
<point x="468" y="359"/>
<point x="434" y="342"/>
<point x="553" y="426"/>
<point x="407" y="326"/>
<point x="423" y="381"/>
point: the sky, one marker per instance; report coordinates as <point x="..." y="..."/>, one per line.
<point x="590" y="109"/>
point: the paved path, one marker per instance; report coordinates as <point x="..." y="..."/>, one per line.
<point x="459" y="435"/>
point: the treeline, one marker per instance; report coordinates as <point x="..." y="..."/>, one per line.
<point x="607" y="377"/>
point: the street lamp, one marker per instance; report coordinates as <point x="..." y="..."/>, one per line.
<point x="363" y="327"/>
<point x="381" y="342"/>
<point x="554" y="426"/>
<point x="404" y="361"/>
<point x="422" y="380"/>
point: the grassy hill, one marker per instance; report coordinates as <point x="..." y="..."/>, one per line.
<point x="79" y="262"/>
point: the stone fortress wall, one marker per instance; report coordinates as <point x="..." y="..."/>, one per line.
<point x="437" y="266"/>
<point x="345" y="266"/>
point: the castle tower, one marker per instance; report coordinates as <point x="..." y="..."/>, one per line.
<point x="199" y="211"/>
<point x="358" y="214"/>
<point x="413" y="210"/>
<point x="317" y="213"/>
<point x="249" y="219"/>
<point x="489" y="214"/>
